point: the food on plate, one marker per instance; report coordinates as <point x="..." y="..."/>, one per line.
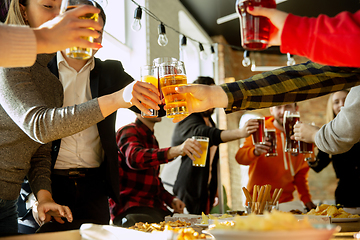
<point x="268" y="222"/>
<point x="205" y="219"/>
<point x="332" y="211"/>
<point x="296" y="211"/>
<point x="149" y="227"/>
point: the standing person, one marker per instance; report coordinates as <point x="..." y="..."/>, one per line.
<point x="197" y="186"/>
<point x="32" y="114"/>
<point x="286" y="171"/>
<point x="142" y="194"/>
<point x="346" y="165"/>
<point x="62" y="32"/>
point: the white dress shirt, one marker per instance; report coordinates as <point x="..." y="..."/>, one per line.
<point x="83" y="149"/>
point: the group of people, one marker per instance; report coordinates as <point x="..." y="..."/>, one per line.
<point x="57" y="99"/>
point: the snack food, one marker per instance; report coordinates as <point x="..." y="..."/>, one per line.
<point x="149" y="227"/>
<point x="205" y="219"/>
<point x="332" y="211"/>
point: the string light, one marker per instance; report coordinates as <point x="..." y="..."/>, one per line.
<point x="203" y="54"/>
<point x="290" y="60"/>
<point x="136" y="26"/>
<point x="246" y="61"/>
<point x="213" y="55"/>
<point x="162" y="40"/>
<point x="183" y="42"/>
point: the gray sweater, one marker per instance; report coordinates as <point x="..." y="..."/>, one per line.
<point x="339" y="135"/>
<point x="32" y="115"/>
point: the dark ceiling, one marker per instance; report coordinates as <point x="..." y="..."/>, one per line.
<point x="206" y="12"/>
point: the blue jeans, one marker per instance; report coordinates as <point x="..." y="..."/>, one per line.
<point x="8" y="217"/>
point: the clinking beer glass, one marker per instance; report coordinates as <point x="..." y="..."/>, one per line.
<point x="270" y="134"/>
<point x="204" y="142"/>
<point x="171" y="77"/>
<point x="78" y="52"/>
<point x="147" y="73"/>
<point x="289" y="120"/>
<point x="258" y="137"/>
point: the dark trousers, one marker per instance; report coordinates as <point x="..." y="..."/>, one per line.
<point x="140" y="214"/>
<point x="85" y="196"/>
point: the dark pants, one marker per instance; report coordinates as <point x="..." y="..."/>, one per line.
<point x="8" y="217"/>
<point x="140" y="214"/>
<point x="85" y="196"/>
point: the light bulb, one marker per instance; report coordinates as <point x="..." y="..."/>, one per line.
<point x="162" y="40"/>
<point x="136" y="25"/>
<point x="246" y="62"/>
<point x="213" y="55"/>
<point x="290" y="60"/>
<point x="203" y="54"/>
<point x="183" y="43"/>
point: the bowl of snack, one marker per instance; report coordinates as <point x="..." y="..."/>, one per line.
<point x="336" y="214"/>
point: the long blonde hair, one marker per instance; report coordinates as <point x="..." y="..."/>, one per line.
<point x="14" y="15"/>
<point x="330" y="115"/>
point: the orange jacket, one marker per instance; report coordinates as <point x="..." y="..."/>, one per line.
<point x="281" y="171"/>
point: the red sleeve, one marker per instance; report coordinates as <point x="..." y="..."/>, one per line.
<point x="245" y="155"/>
<point x="301" y="183"/>
<point x="331" y="41"/>
<point x="166" y="196"/>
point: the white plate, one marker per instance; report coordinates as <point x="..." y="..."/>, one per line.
<point x="201" y="225"/>
<point x="309" y="234"/>
<point x="340" y="220"/>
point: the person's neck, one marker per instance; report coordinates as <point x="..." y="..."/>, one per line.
<point x="75" y="63"/>
<point x="278" y="126"/>
<point x="149" y="124"/>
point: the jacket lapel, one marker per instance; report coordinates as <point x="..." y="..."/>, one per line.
<point x="94" y="79"/>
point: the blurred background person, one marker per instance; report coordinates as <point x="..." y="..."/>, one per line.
<point x="346" y="165"/>
<point x="286" y="170"/>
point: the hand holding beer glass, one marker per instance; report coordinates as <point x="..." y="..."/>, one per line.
<point x="270" y="135"/>
<point x="78" y="52"/>
<point x="258" y="136"/>
<point x="289" y="120"/>
<point x="204" y="142"/>
<point x="147" y="74"/>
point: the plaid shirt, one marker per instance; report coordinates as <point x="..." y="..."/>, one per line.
<point x="289" y="84"/>
<point x="139" y="165"/>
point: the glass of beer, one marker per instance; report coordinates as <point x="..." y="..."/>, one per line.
<point x="255" y="30"/>
<point x="156" y="63"/>
<point x="270" y="134"/>
<point x="78" y="52"/>
<point x="258" y="137"/>
<point x="204" y="142"/>
<point x="289" y="120"/>
<point x="147" y="75"/>
<point x="171" y="77"/>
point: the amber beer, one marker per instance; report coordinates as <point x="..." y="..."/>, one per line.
<point x="259" y="136"/>
<point x="204" y="142"/>
<point x="78" y="52"/>
<point x="306" y="147"/>
<point x="172" y="77"/>
<point x="290" y="119"/>
<point x="270" y="134"/>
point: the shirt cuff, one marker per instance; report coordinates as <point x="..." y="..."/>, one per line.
<point x="235" y="96"/>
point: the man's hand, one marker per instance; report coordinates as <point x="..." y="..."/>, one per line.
<point x="47" y="208"/>
<point x="276" y="17"/>
<point x="202" y="97"/>
<point x="250" y="127"/>
<point x="261" y="148"/>
<point x="189" y="147"/>
<point x="66" y="30"/>
<point x="305" y="132"/>
<point x="178" y="205"/>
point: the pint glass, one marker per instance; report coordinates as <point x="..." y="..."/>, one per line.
<point x="255" y="30"/>
<point x="289" y="120"/>
<point x="258" y="137"/>
<point x="147" y="75"/>
<point x="78" y="52"/>
<point x="204" y="142"/>
<point x="270" y="134"/>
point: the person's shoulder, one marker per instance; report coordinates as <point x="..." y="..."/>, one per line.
<point x="109" y="64"/>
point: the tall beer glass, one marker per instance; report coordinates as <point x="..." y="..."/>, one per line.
<point x="258" y="137"/>
<point x="204" y="142"/>
<point x="172" y="76"/>
<point x="156" y="63"/>
<point x="78" y="52"/>
<point x="270" y="134"/>
<point x="147" y="75"/>
<point x="289" y="120"/>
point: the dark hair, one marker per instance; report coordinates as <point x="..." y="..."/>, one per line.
<point x="204" y="80"/>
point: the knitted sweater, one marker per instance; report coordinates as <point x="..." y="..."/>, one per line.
<point x="17" y="46"/>
<point x="31" y="115"/>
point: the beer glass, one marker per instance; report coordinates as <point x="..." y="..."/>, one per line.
<point x="204" y="142"/>
<point x="147" y="75"/>
<point x="171" y="77"/>
<point x="270" y="134"/>
<point x="156" y="63"/>
<point x="78" y="52"/>
<point x="258" y="137"/>
<point x="305" y="147"/>
<point x="289" y="120"/>
<point x="255" y="30"/>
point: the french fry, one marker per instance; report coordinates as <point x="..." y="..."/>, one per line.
<point x="278" y="196"/>
<point x="247" y="195"/>
<point x="274" y="195"/>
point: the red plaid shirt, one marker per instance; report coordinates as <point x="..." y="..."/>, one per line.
<point x="139" y="165"/>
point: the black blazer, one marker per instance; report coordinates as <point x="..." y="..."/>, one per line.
<point x="106" y="77"/>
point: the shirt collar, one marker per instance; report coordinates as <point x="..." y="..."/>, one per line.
<point x="140" y="124"/>
<point x="60" y="59"/>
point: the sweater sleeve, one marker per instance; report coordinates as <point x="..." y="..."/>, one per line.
<point x="245" y="155"/>
<point x="339" y="135"/>
<point x="17" y="46"/>
<point x="326" y="40"/>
